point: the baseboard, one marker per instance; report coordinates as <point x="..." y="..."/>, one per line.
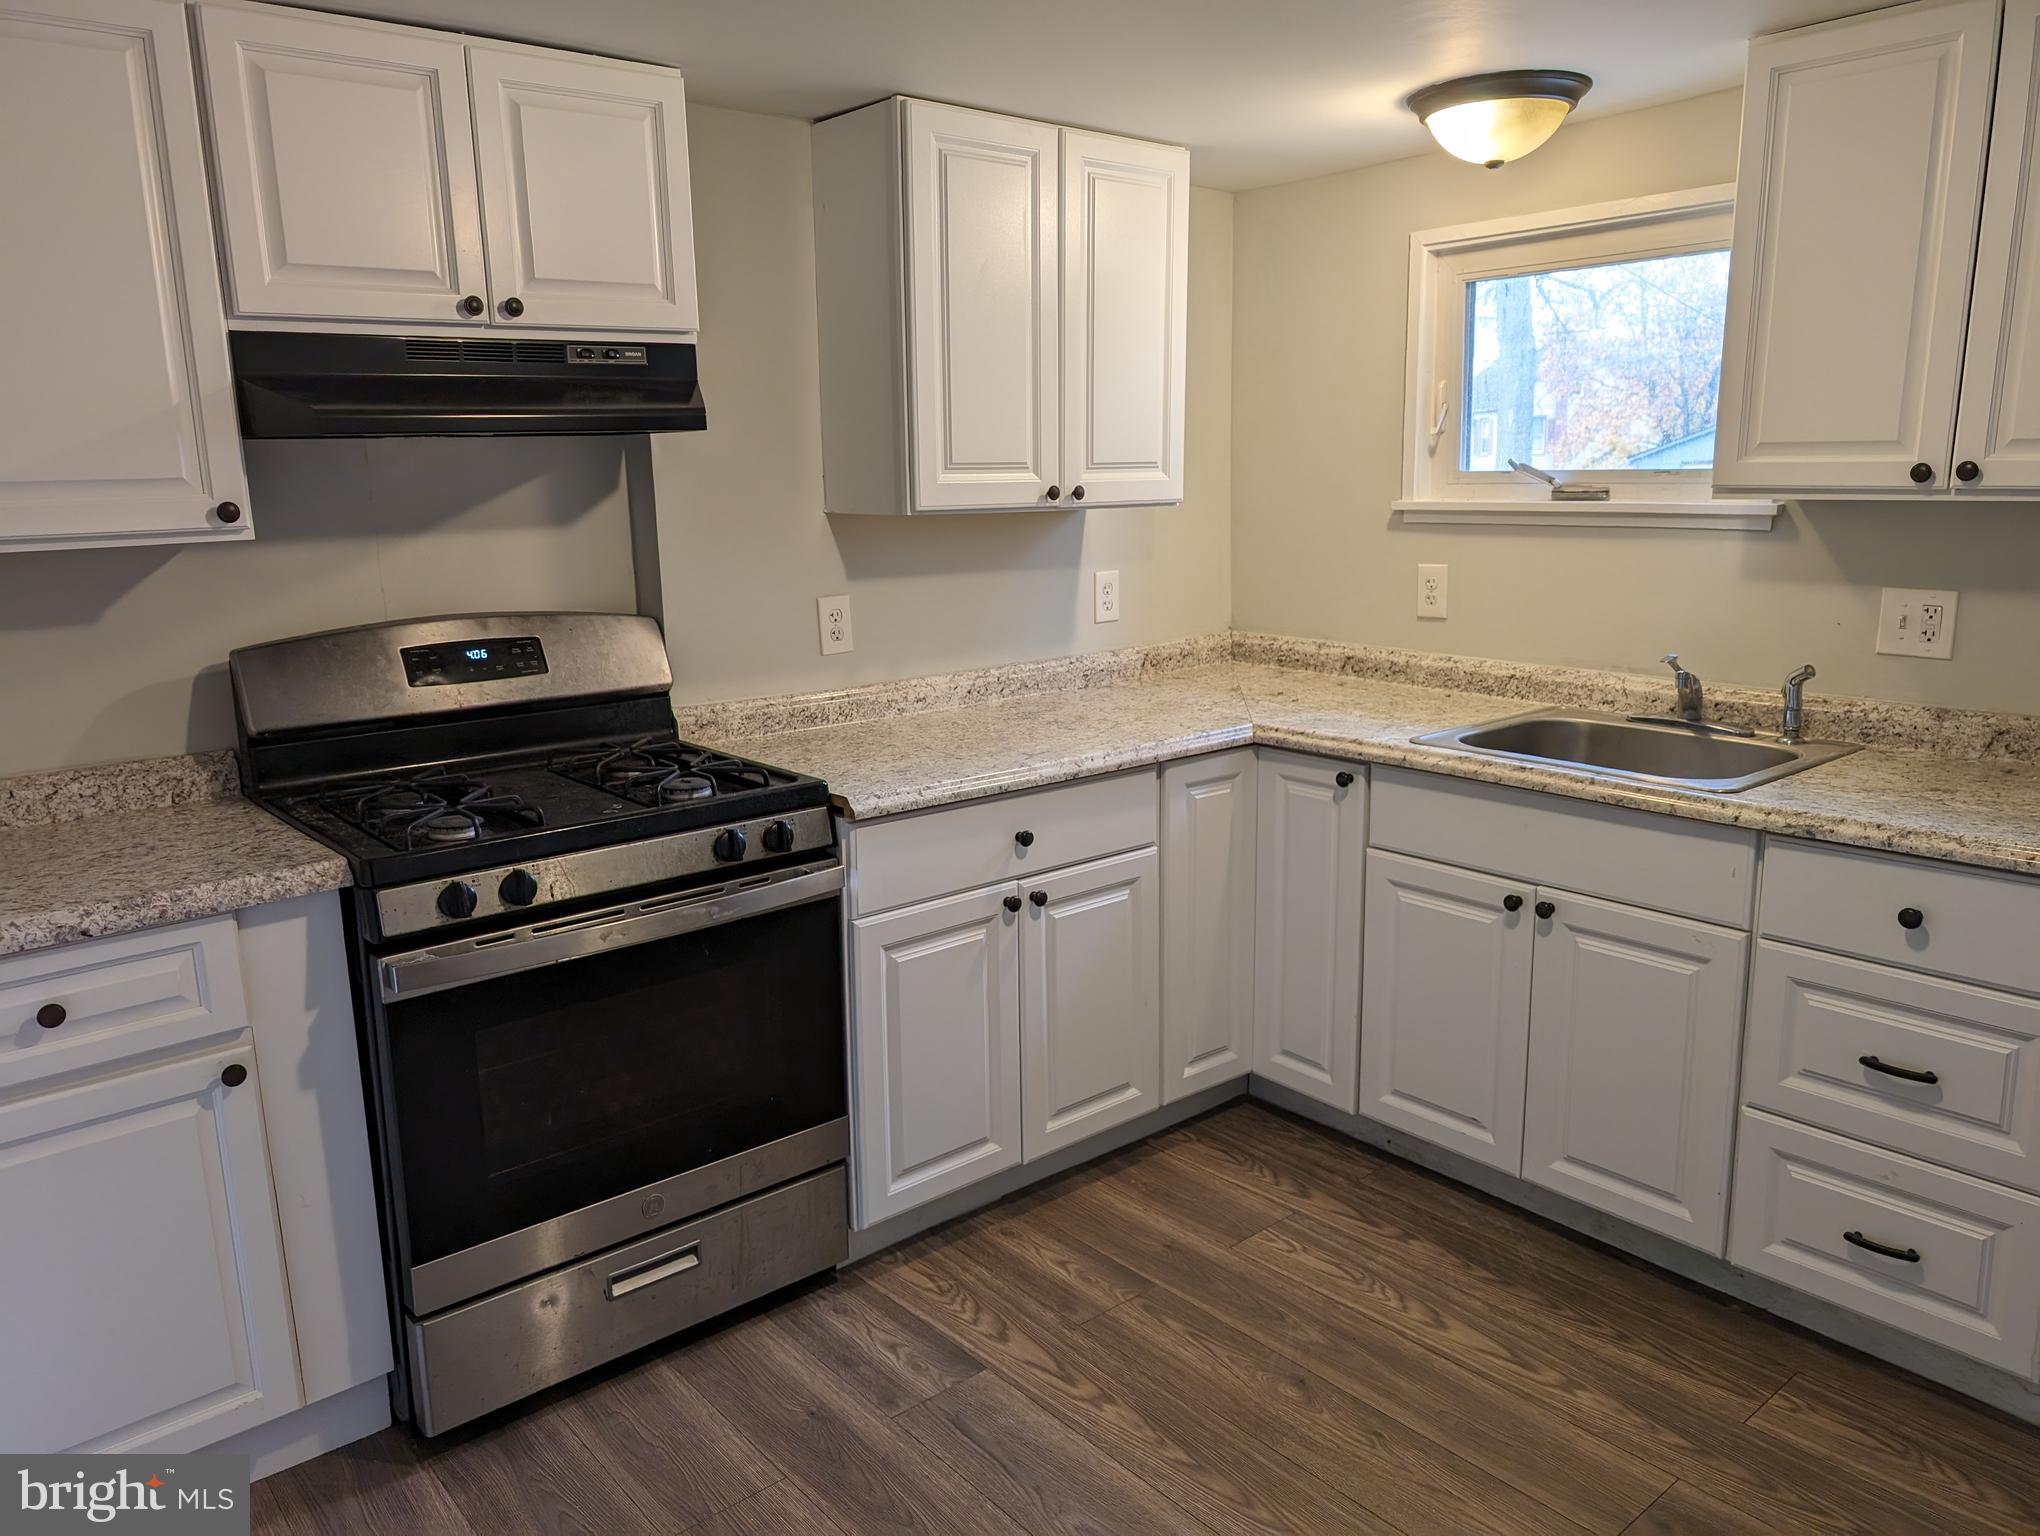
<point x="312" y="1430"/>
<point x="962" y="1202"/>
<point x="1958" y="1373"/>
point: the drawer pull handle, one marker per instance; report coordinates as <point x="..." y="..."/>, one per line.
<point x="652" y="1271"/>
<point x="50" y="1015"/>
<point x="1910" y="918"/>
<point x="1910" y="1074"/>
<point x="1905" y="1255"/>
<point x="1024" y="839"/>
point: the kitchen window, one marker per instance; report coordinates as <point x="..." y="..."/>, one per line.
<point x="1585" y="344"/>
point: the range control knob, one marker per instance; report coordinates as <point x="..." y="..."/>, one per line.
<point x="519" y="888"/>
<point x="729" y="844"/>
<point x="457" y="900"/>
<point x="779" y="837"/>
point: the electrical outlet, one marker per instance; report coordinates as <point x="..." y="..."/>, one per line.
<point x="1430" y="591"/>
<point x="1914" y="621"/>
<point x="1105" y="597"/>
<point x="834" y="614"/>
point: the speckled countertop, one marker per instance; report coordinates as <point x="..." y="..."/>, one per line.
<point x="1975" y="811"/>
<point x="89" y="852"/>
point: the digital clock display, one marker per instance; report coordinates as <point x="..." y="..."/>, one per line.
<point x="473" y="661"/>
<point x="476" y="653"/>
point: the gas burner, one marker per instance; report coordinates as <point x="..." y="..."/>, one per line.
<point x="654" y="770"/>
<point x="433" y="809"/>
<point x="684" y="786"/>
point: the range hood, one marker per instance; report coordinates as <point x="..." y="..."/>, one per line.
<point x="319" y="384"/>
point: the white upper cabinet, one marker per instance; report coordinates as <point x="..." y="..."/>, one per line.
<point x="346" y="167"/>
<point x="584" y="189"/>
<point x="1857" y="207"/>
<point x="115" y="389"/>
<point x="982" y="308"/>
<point x="1002" y="308"/>
<point x="1126" y="264"/>
<point x="375" y="174"/>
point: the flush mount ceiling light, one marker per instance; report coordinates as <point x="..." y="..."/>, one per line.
<point x="1494" y="118"/>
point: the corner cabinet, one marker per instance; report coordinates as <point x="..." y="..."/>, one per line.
<point x="1882" y="335"/>
<point x="1002" y="306"/>
<point x="114" y="381"/>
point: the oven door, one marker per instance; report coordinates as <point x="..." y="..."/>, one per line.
<point x="562" y="1087"/>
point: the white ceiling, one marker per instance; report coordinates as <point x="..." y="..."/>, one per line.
<point x="1261" y="90"/>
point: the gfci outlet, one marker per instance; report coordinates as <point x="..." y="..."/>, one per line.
<point x="1430" y="591"/>
<point x="834" y="614"/>
<point x="1105" y="597"/>
<point x="1916" y="621"/>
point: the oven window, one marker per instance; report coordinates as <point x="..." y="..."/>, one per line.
<point x="529" y="1096"/>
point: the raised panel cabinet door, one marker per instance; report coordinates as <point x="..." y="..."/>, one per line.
<point x="1126" y="272"/>
<point x="1997" y="426"/>
<point x="983" y="284"/>
<point x="1208" y="831"/>
<point x="346" y="167"/>
<point x="1308" y="878"/>
<point x="1855" y="227"/>
<point x="142" y="1297"/>
<point x="1635" y="1031"/>
<point x="936" y="1046"/>
<point x="1090" y="1018"/>
<point x="1446" y="1018"/>
<point x="585" y="200"/>
<point x="115" y="388"/>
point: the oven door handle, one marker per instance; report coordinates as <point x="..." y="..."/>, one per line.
<point x="592" y="933"/>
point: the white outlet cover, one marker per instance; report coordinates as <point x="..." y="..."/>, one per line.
<point x="832" y="614"/>
<point x="1431" y="592"/>
<point x="1106" y="598"/>
<point x="1916" y="621"/>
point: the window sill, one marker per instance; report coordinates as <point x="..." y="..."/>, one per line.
<point x="1731" y="516"/>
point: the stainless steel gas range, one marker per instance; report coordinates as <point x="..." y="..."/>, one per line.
<point x="598" y="975"/>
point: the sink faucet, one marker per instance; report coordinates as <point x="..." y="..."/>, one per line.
<point x="1795" y="708"/>
<point x="1691" y="702"/>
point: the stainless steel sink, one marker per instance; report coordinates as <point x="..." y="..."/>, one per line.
<point x="1683" y="756"/>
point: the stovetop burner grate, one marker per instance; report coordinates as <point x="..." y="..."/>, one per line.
<point x="659" y="771"/>
<point x="431" y="810"/>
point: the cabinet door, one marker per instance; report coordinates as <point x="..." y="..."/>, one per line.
<point x="1447" y="1014"/>
<point x="1208" y="831"/>
<point x="1125" y="265"/>
<point x="584" y="190"/>
<point x="936" y="1030"/>
<point x="982" y="308"/>
<point x="1313" y="835"/>
<point x="114" y="383"/>
<point x="1091" y="1031"/>
<point x="346" y="167"/>
<point x="1998" y="426"/>
<point x="1635" y="1029"/>
<point x="1855" y="228"/>
<point x="142" y="1300"/>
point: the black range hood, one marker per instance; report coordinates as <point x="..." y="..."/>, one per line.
<point x="318" y="384"/>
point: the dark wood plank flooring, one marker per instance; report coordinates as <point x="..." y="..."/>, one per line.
<point x="1245" y="1324"/>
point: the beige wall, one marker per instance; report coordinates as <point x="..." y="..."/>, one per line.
<point x="745" y="549"/>
<point x="1321" y="272"/>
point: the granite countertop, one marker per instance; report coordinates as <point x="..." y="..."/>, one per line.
<point x="91" y="852"/>
<point x="1975" y="811"/>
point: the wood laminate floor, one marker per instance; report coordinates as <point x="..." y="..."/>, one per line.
<point x="1245" y="1324"/>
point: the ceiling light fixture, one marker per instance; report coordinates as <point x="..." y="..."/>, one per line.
<point x="1494" y="118"/>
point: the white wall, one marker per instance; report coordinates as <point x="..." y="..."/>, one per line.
<point x="745" y="548"/>
<point x="1321" y="273"/>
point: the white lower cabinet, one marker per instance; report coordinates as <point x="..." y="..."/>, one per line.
<point x="144" y="1277"/>
<point x="1447" y="1006"/>
<point x="937" y="1048"/>
<point x="1089" y="1013"/>
<point x="1635" y="1028"/>
<point x="1208" y="831"/>
<point x="1308" y="880"/>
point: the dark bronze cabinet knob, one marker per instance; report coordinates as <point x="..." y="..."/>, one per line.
<point x="1922" y="473"/>
<point x="1910" y="918"/>
<point x="513" y="306"/>
<point x="1024" y="839"/>
<point x="1343" y="779"/>
<point x="50" y="1015"/>
<point x="1547" y="909"/>
<point x="1012" y="903"/>
<point x="1053" y="493"/>
<point x="1039" y="898"/>
<point x="227" y="512"/>
<point x="1512" y="902"/>
<point x="472" y="304"/>
<point x="1968" y="470"/>
<point x="234" y="1075"/>
<point x="1077" y="494"/>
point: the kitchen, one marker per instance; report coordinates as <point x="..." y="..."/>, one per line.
<point x="1252" y="983"/>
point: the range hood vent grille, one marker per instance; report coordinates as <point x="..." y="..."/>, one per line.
<point x="452" y="349"/>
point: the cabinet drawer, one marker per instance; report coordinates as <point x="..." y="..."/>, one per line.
<point x="1973" y="925"/>
<point x="1955" y="1260"/>
<point x="1815" y="1018"/>
<point x="914" y="857"/>
<point x="82" y="1005"/>
<point x="1692" y="868"/>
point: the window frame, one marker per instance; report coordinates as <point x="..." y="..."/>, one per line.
<point x="1442" y="262"/>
